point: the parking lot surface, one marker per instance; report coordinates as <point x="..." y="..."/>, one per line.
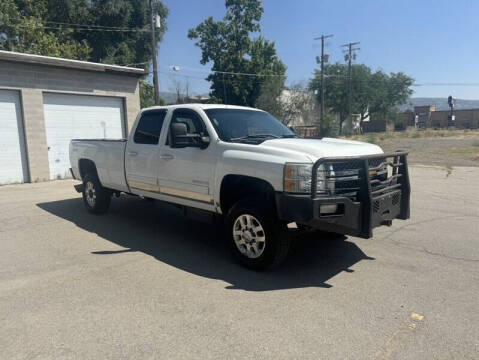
<point x="143" y="282"/>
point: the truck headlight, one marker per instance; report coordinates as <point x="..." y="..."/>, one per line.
<point x="297" y="178"/>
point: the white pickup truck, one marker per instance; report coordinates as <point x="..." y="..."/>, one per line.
<point x="247" y="167"/>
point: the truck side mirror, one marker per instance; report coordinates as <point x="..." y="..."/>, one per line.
<point x="178" y="135"/>
<point x="205" y="141"/>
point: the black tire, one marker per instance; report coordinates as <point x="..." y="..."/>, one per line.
<point x="276" y="243"/>
<point x="95" y="197"/>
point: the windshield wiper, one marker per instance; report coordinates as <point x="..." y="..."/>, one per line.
<point x="255" y="136"/>
<point x="287" y="136"/>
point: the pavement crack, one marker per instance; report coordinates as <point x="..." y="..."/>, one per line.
<point x="447" y="256"/>
<point x="423" y="249"/>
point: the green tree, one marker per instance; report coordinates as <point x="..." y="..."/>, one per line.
<point x="269" y="98"/>
<point x="147" y="95"/>
<point x="22" y="30"/>
<point x="50" y="27"/>
<point x="374" y="94"/>
<point x="230" y="48"/>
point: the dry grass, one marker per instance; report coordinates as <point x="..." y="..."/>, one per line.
<point x="417" y="134"/>
<point x="436" y="147"/>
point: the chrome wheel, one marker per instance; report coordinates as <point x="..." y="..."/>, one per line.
<point x="249" y="236"/>
<point x="90" y="194"/>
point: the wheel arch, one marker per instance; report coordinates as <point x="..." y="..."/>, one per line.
<point x="236" y="187"/>
<point x="86" y="166"/>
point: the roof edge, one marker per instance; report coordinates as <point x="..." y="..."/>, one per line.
<point x="67" y="63"/>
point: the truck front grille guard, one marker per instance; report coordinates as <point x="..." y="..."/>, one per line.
<point x="365" y="179"/>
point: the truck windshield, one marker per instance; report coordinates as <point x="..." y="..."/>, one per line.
<point x="237" y="125"/>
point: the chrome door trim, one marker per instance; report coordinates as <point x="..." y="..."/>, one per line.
<point x="140" y="185"/>
<point x="164" y="190"/>
<point x="190" y="195"/>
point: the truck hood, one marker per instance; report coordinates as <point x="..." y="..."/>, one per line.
<point x="326" y="147"/>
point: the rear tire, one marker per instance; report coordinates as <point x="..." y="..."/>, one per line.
<point x="257" y="238"/>
<point x="95" y="197"/>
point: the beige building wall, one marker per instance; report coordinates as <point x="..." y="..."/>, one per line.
<point x="464" y="118"/>
<point x="33" y="80"/>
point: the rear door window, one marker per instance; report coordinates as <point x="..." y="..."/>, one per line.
<point x="149" y="127"/>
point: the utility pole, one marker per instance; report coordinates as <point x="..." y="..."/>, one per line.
<point x="154" y="54"/>
<point x="349" y="57"/>
<point x="322" y="61"/>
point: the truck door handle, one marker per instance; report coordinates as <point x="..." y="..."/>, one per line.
<point x="132" y="153"/>
<point x="167" y="157"/>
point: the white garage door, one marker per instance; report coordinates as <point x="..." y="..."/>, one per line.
<point x="78" y="117"/>
<point x="12" y="146"/>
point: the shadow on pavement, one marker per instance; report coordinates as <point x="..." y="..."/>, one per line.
<point x="160" y="230"/>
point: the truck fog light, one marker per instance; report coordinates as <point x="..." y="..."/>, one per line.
<point x="328" y="209"/>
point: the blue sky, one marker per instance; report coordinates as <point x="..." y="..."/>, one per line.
<point x="434" y="41"/>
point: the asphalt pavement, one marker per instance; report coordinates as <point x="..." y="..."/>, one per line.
<point x="143" y="282"/>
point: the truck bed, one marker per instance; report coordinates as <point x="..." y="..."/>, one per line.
<point x="108" y="156"/>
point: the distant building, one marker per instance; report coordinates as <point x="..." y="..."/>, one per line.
<point x="429" y="117"/>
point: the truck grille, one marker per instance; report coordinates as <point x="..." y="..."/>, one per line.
<point x="379" y="184"/>
<point x="344" y="177"/>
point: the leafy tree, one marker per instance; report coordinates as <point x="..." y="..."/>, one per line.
<point x="21" y="30"/>
<point x="270" y="97"/>
<point x="50" y="27"/>
<point x="147" y="95"/>
<point x="121" y="47"/>
<point x="374" y="94"/>
<point x="230" y="48"/>
<point x="330" y="125"/>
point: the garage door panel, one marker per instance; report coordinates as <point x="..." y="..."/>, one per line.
<point x="78" y="117"/>
<point x="13" y="164"/>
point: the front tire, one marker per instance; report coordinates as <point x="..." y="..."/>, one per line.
<point x="257" y="237"/>
<point x="95" y="197"/>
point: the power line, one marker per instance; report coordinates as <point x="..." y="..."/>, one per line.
<point x="83" y="29"/>
<point x="445" y="84"/>
<point x="140" y="63"/>
<point x="91" y="25"/>
<point x="231" y="72"/>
